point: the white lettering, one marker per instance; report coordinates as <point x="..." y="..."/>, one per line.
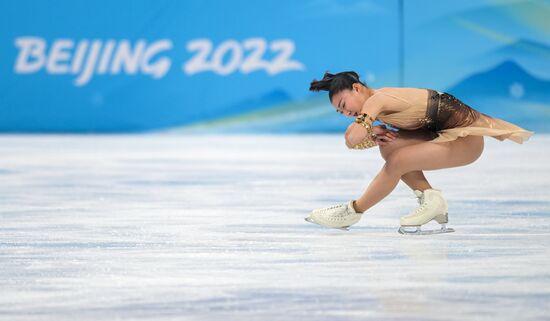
<point x="161" y="67"/>
<point x="105" y="57"/>
<point x="30" y="47"/>
<point x="125" y="57"/>
<point x="86" y="75"/>
<point x="236" y="52"/>
<point x="253" y="61"/>
<point x="84" y="58"/>
<point x="79" y="56"/>
<point x="58" y="56"/>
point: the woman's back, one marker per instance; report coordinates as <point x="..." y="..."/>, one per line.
<point x="404" y="107"/>
<point x="399" y="99"/>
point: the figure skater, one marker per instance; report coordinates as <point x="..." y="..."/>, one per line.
<point x="435" y="131"/>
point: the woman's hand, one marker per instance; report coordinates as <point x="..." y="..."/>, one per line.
<point x="384" y="136"/>
<point x="355" y="133"/>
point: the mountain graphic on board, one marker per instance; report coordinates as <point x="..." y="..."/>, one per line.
<point x="507" y="81"/>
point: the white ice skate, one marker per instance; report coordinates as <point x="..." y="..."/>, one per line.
<point x="340" y="216"/>
<point x="432" y="207"/>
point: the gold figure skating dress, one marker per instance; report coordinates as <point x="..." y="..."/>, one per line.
<point x="448" y="118"/>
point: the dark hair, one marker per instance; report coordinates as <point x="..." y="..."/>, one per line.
<point x="334" y="83"/>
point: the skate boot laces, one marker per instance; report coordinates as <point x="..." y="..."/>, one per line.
<point x="336" y="213"/>
<point x="421" y="207"/>
<point x="331" y="207"/>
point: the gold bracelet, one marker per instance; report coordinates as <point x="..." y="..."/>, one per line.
<point x="368" y="141"/>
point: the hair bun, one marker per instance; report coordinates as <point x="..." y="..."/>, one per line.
<point x="324" y="84"/>
<point x="328" y="76"/>
<point x="317" y="85"/>
<point x="335" y="82"/>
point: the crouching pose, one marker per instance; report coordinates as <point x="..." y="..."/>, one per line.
<point x="435" y="131"/>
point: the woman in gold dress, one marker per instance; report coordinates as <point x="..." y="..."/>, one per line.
<point x="435" y="131"/>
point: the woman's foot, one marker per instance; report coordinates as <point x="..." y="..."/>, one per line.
<point x="432" y="207"/>
<point x="336" y="216"/>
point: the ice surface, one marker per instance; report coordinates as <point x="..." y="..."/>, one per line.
<point x="167" y="227"/>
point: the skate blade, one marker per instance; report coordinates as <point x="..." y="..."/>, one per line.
<point x="418" y="231"/>
<point x="345" y="228"/>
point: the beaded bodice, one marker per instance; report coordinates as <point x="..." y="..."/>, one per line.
<point x="430" y="109"/>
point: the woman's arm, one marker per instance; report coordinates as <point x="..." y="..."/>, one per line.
<point x="356" y="132"/>
<point x="374" y="105"/>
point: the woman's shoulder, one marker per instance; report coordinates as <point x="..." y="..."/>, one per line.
<point x="410" y="95"/>
<point x="401" y="90"/>
<point x="398" y="99"/>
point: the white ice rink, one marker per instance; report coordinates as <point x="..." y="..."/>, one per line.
<point x="167" y="227"/>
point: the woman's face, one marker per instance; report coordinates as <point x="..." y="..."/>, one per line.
<point x="349" y="102"/>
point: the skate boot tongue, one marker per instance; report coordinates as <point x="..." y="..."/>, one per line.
<point x="419" y="195"/>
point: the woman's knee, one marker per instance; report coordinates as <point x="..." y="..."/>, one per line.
<point x="470" y="149"/>
<point x="385" y="150"/>
<point x="388" y="148"/>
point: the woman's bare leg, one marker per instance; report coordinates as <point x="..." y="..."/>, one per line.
<point x="414" y="179"/>
<point x="417" y="157"/>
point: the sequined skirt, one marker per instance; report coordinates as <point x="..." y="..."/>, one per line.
<point x="445" y="111"/>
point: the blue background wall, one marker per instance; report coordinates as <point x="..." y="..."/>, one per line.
<point x="131" y="66"/>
